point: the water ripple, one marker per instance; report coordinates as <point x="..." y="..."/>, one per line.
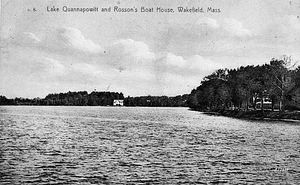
<point x="109" y="145"/>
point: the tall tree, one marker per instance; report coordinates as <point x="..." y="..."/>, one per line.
<point x="280" y="73"/>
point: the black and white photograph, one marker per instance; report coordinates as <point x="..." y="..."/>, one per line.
<point x="149" y="92"/>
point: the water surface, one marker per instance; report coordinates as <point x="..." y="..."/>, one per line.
<point x="123" y="145"/>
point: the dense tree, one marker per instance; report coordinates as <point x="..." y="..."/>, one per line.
<point x="281" y="77"/>
<point x="157" y="101"/>
<point x="244" y="87"/>
<point x="5" y="101"/>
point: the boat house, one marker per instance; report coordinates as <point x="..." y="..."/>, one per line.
<point x="118" y="103"/>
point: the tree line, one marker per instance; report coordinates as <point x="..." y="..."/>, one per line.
<point x="157" y="101"/>
<point x="83" y="98"/>
<point x="248" y="86"/>
<point x="80" y="98"/>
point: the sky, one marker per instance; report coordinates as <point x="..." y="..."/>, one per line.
<point x="138" y="53"/>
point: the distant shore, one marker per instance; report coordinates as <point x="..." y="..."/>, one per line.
<point x="286" y="116"/>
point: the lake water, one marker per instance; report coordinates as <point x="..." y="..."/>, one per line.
<point x="123" y="145"/>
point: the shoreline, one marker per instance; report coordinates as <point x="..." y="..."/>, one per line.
<point x="291" y="117"/>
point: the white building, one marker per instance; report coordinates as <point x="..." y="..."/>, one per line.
<point x="118" y="103"/>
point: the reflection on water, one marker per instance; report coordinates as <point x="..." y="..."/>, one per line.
<point x="121" y="145"/>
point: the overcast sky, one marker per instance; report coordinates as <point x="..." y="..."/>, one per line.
<point x="138" y="53"/>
